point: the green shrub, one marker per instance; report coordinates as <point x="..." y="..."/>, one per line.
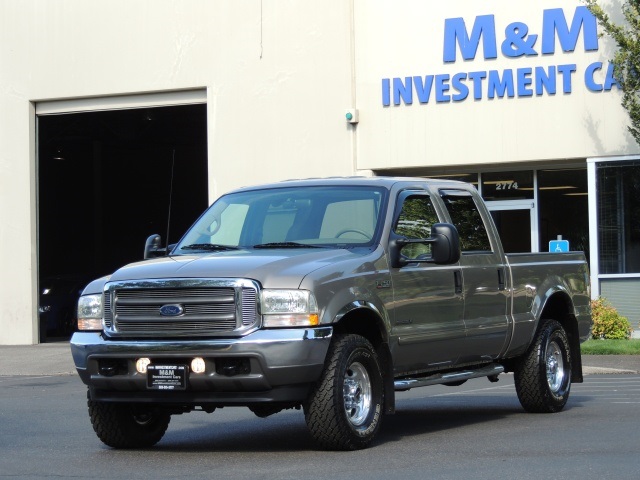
<point x="607" y="322"/>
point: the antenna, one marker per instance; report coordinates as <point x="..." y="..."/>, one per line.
<point x="173" y="163"/>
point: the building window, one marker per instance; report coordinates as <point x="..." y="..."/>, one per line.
<point x="563" y="208"/>
<point x="618" y="187"/>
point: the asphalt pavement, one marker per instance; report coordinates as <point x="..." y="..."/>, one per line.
<point x="55" y="359"/>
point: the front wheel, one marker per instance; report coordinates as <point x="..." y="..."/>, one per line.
<point x="543" y="376"/>
<point x="344" y="410"/>
<point x="122" y="425"/>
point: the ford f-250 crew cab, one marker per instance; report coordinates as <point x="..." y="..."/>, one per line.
<point x="327" y="295"/>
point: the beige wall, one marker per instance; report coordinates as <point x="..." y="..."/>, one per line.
<point x="278" y="77"/>
<point x="277" y="74"/>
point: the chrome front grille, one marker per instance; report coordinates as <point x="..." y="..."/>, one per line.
<point x="206" y="308"/>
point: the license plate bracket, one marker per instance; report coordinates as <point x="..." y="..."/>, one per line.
<point x="167" y="377"/>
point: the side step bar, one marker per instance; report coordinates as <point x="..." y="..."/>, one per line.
<point x="439" y="378"/>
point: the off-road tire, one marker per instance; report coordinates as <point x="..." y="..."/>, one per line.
<point x="344" y="409"/>
<point x="122" y="425"/>
<point x="543" y="375"/>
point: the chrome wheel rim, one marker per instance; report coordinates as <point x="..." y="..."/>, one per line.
<point x="357" y="394"/>
<point x="555" y="367"/>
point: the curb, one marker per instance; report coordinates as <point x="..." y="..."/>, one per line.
<point x="586" y="370"/>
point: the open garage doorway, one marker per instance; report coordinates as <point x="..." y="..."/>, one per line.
<point x="105" y="183"/>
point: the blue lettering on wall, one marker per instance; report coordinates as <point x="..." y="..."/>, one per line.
<point x="402" y="90"/>
<point x="521" y="82"/>
<point x="477" y="78"/>
<point x="423" y="87"/>
<point x="442" y="86"/>
<point x="457" y="82"/>
<point x="610" y="80"/>
<point x="589" y="81"/>
<point x="497" y="85"/>
<point x="524" y="82"/>
<point x="455" y="32"/>
<point x="519" y="42"/>
<point x="545" y="80"/>
<point x="594" y="70"/>
<point x="566" y="71"/>
<point x="554" y="22"/>
<point x="386" y="92"/>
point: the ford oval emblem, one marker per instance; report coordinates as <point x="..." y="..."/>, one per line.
<point x="171" y="310"/>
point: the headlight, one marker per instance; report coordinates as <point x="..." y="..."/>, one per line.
<point x="90" y="312"/>
<point x="288" y="308"/>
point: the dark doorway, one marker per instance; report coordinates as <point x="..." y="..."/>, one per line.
<point x="514" y="229"/>
<point x="104" y="185"/>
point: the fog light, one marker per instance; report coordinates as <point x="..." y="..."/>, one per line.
<point x="197" y="365"/>
<point x="142" y="364"/>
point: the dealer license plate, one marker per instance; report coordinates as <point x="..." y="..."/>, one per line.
<point x="167" y="377"/>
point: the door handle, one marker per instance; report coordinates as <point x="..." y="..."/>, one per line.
<point x="501" y="284"/>
<point x="457" y="279"/>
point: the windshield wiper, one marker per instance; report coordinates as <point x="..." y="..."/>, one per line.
<point x="285" y="245"/>
<point x="208" y="246"/>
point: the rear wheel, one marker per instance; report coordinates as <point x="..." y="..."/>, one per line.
<point x="123" y="425"/>
<point x="344" y="410"/>
<point x="543" y="376"/>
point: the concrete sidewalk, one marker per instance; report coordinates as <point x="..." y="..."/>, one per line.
<point x="55" y="359"/>
<point x="43" y="359"/>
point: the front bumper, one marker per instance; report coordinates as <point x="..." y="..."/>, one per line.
<point x="265" y="366"/>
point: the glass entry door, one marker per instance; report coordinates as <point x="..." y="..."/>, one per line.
<point x="517" y="224"/>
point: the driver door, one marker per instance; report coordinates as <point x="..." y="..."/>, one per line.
<point x="427" y="312"/>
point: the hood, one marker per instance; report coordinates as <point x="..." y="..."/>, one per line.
<point x="278" y="268"/>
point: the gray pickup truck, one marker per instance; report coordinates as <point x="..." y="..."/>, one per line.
<point x="328" y="295"/>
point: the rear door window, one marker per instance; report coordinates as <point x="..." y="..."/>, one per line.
<point x="466" y="217"/>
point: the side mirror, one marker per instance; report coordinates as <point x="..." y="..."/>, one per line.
<point x="445" y="247"/>
<point x="153" y="247"/>
<point x="445" y="244"/>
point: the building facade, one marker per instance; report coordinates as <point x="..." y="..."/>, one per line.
<point x="98" y="98"/>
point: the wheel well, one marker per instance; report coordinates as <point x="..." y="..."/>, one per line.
<point x="363" y="322"/>
<point x="368" y="324"/>
<point x="560" y="308"/>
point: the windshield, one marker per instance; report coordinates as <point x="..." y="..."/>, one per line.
<point x="293" y="217"/>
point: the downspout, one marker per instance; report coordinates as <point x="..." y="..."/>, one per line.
<point x="353" y="127"/>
